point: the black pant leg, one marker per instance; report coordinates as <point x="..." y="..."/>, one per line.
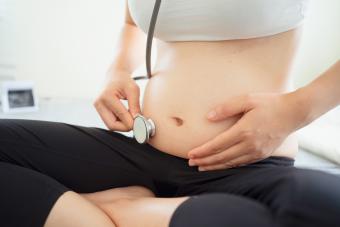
<point x="298" y="197"/>
<point x="295" y="197"/>
<point x="84" y="159"/>
<point x="26" y="196"/>
<point x="221" y="210"/>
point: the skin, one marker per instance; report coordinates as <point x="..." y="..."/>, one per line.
<point x="120" y="207"/>
<point x="226" y="70"/>
<point x="246" y="83"/>
<point x="71" y="210"/>
<point x="135" y="206"/>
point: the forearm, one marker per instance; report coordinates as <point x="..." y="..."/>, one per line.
<point x="130" y="48"/>
<point x="321" y="95"/>
<point x="129" y="51"/>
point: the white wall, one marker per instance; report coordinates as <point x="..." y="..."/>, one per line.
<point x="65" y="46"/>
<point x="7" y="61"/>
<point x="320" y="44"/>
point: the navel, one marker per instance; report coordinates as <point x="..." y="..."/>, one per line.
<point x="178" y="121"/>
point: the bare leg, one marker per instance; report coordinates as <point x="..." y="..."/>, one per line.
<point x="114" y="194"/>
<point x="72" y="210"/>
<point x="135" y="206"/>
<point x="143" y="212"/>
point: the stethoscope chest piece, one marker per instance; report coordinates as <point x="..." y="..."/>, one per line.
<point x="143" y="128"/>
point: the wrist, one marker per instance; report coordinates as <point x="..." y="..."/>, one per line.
<point x="115" y="73"/>
<point x="301" y="107"/>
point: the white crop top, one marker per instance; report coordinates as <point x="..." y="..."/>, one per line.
<point x="213" y="20"/>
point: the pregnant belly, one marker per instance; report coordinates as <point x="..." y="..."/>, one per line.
<point x="189" y="79"/>
<point x="178" y="106"/>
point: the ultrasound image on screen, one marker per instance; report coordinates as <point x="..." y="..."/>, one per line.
<point x="20" y="98"/>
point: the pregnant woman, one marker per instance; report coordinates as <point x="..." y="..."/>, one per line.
<point x="225" y="115"/>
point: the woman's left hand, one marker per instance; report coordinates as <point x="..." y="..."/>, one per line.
<point x="266" y="120"/>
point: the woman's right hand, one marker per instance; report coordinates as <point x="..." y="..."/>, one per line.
<point x="109" y="105"/>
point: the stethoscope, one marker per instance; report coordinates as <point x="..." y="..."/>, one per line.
<point x="143" y="128"/>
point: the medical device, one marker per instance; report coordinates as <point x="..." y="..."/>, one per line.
<point x="144" y="128"/>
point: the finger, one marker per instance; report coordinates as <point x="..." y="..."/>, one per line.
<point x="220" y="142"/>
<point x="110" y="119"/>
<point x="229" y="108"/>
<point x="133" y="100"/>
<point x="213" y="167"/>
<point x="240" y="161"/>
<point x="233" y="152"/>
<point x="120" y="111"/>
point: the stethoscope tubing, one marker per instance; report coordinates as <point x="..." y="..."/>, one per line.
<point x="149" y="130"/>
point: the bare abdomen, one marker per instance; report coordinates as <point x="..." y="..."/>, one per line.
<point x="191" y="78"/>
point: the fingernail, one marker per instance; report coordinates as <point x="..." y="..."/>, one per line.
<point x="211" y="114"/>
<point x="201" y="169"/>
<point x="192" y="162"/>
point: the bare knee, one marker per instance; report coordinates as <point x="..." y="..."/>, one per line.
<point x="71" y="209"/>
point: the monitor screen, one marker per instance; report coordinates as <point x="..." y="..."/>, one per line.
<point x="20" y="98"/>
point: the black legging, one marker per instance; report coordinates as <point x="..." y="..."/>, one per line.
<point x="39" y="161"/>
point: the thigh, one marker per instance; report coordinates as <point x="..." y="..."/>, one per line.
<point x="220" y="210"/>
<point x="295" y="196"/>
<point x="29" y="198"/>
<point x="299" y="197"/>
<point x="280" y="186"/>
<point x="72" y="210"/>
<point x="26" y="196"/>
<point x="84" y="159"/>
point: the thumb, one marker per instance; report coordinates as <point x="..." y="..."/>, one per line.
<point x="133" y="101"/>
<point x="231" y="107"/>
